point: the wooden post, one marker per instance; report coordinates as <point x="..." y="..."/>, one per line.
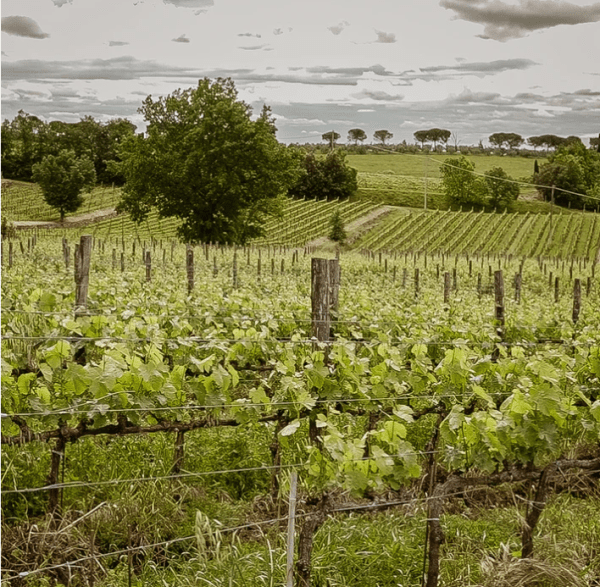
<point x="189" y="267"/>
<point x="576" y="300"/>
<point x="454" y="280"/>
<point x="10" y="254"/>
<point x="83" y="255"/>
<point x="58" y="453"/>
<point x="178" y="452"/>
<point x="416" y="281"/>
<point x="122" y="262"/>
<point x="289" y="568"/>
<point x="234" y="270"/>
<point x="404" y="277"/>
<point x="334" y="287"/>
<point x="114" y="259"/>
<point x="479" y="285"/>
<point x="446" y="287"/>
<point x="320" y="299"/>
<point x="556" y="289"/>
<point x="148" y="266"/>
<point x="518" y="281"/>
<point x="588" y="287"/>
<point x="499" y="309"/>
<point x="215" y="267"/>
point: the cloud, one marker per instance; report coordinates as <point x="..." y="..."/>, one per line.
<point x="503" y="22"/>
<point x="257" y="36"/>
<point x="356" y="71"/>
<point x="278" y="32"/>
<point x="22" y="26"/>
<point x="254" y="47"/>
<point x="385" y="37"/>
<point x="378" y="95"/>
<point x="338" y="28"/>
<point x="190" y="3"/>
<point x="181" y="39"/>
<point x="117" y="43"/>
<point x="60" y="3"/>
<point x="483" y="67"/>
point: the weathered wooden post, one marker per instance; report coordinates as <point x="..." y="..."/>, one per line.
<point x="189" y="267"/>
<point x="499" y="309"/>
<point x="576" y="300"/>
<point x="148" y="266"/>
<point x="446" y="287"/>
<point x="320" y="299"/>
<point x="83" y="255"/>
<point x="556" y="289"/>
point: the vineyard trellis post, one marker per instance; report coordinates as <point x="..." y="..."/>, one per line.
<point x="289" y="569"/>
<point x="189" y="266"/>
<point x="83" y="254"/>
<point x="576" y="300"/>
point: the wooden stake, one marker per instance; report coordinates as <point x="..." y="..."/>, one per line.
<point x="289" y="568"/>
<point x="83" y="254"/>
<point x="576" y="300"/>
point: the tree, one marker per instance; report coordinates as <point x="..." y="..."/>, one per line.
<point x="422" y="136"/>
<point x="501" y="189"/>
<point x="331" y="137"/>
<point x="207" y="163"/>
<point x="62" y="178"/>
<point x="328" y="178"/>
<point x="512" y="140"/>
<point x="460" y="184"/>
<point x="337" y="232"/>
<point x="357" y="134"/>
<point x="438" y="135"/>
<point x="595" y="143"/>
<point x="571" y="167"/>
<point x="455" y="140"/>
<point x="382" y="135"/>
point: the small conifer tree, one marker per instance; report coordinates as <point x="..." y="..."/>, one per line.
<point x="337" y="233"/>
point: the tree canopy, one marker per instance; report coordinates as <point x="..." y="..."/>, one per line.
<point x="205" y="161"/>
<point x="435" y="135"/>
<point x="357" y="134"/>
<point x="382" y="135"/>
<point x="495" y="189"/>
<point x="27" y="139"/>
<point x="331" y="137"/>
<point x="574" y="168"/>
<point x="62" y="178"/>
<point x="326" y="177"/>
<point x="510" y="139"/>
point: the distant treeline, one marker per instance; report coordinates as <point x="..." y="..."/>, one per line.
<point x="27" y="139"/>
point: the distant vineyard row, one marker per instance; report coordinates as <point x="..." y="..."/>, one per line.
<point x="527" y="235"/>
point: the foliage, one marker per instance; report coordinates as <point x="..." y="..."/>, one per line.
<point x="435" y="135"/>
<point x="337" y="232"/>
<point x="501" y="193"/>
<point x="356" y="135"/>
<point x="510" y="139"/>
<point x="327" y="177"/>
<point x="331" y="137"/>
<point x="382" y="135"/>
<point x="26" y="140"/>
<point x="459" y="182"/>
<point x="207" y="163"/>
<point x="62" y="178"/>
<point x="574" y="168"/>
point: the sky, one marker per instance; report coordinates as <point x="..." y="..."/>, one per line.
<point x="474" y="67"/>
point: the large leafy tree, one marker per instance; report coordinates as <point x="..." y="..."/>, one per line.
<point x="510" y="139"/>
<point x="461" y="185"/>
<point x="331" y="137"/>
<point x="574" y="168"/>
<point x="205" y="161"/>
<point x="502" y="190"/>
<point x="62" y="178"/>
<point x="326" y="177"/>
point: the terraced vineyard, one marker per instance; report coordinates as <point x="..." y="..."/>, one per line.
<point x="526" y="235"/>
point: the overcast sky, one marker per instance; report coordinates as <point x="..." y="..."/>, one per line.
<point x="474" y="67"/>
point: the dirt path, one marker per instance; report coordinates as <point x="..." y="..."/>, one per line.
<point x="353" y="230"/>
<point x="70" y="222"/>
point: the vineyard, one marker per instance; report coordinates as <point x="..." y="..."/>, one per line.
<point x="441" y="412"/>
<point x="529" y="235"/>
